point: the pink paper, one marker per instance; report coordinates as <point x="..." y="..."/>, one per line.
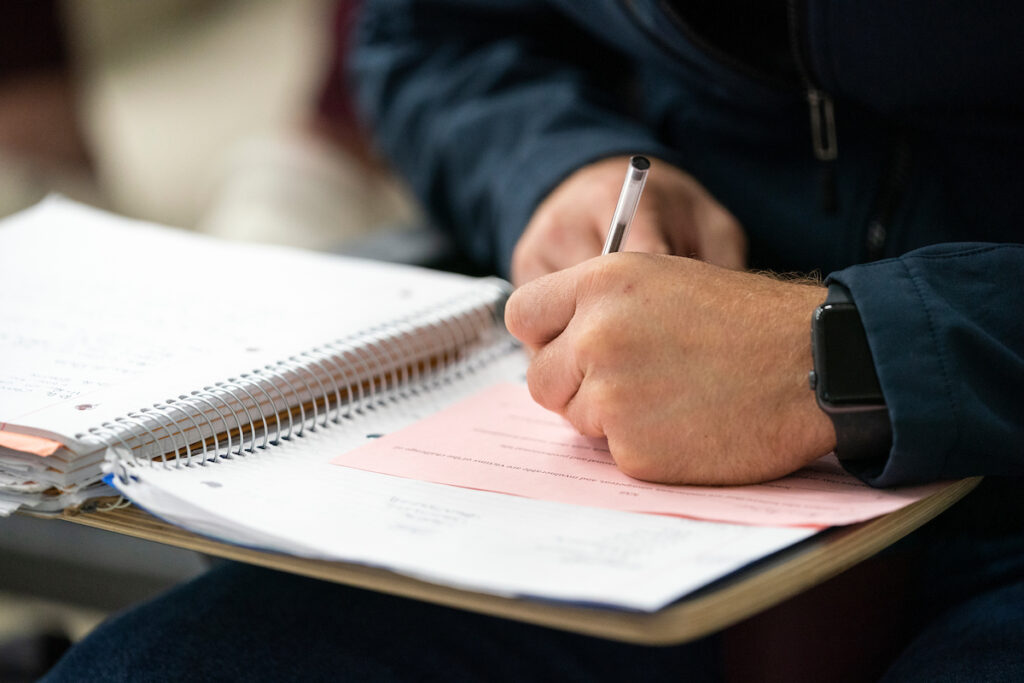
<point x="501" y="440"/>
<point x="36" y="445"/>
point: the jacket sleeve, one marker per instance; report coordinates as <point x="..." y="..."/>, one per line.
<point x="945" y="325"/>
<point x="485" y="106"/>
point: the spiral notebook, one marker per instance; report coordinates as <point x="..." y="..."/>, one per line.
<point x="121" y="336"/>
<point x="213" y="383"/>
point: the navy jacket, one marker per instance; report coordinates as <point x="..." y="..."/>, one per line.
<point x="485" y="105"/>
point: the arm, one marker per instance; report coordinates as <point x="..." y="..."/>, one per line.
<point x="485" y="107"/>
<point x="697" y="374"/>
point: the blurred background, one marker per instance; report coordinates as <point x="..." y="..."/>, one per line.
<point x="223" y="116"/>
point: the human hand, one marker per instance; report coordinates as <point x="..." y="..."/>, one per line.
<point x="695" y="374"/>
<point x="676" y="216"/>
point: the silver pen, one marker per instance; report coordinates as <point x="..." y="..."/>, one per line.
<point x="629" y="198"/>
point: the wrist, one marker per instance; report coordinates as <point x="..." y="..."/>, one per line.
<point x="817" y="424"/>
<point x="803" y="431"/>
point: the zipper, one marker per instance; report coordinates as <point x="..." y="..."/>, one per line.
<point x="821" y="109"/>
<point x="891" y="190"/>
<point x="821" y="112"/>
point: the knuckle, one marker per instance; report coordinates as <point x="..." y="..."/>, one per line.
<point x="538" y="379"/>
<point x="596" y="340"/>
<point x="547" y="221"/>
<point x="540" y="387"/>
<point x="603" y="406"/>
<point x="549" y="384"/>
<point x="725" y="225"/>
<point x="580" y="415"/>
<point x="609" y="271"/>
<point x="605" y="397"/>
<point x="550" y="222"/>
<point x="636" y="464"/>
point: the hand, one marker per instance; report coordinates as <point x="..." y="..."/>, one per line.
<point x="695" y="374"/>
<point x="676" y="216"/>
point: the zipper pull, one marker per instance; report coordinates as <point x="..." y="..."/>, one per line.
<point x="823" y="125"/>
<point x="823" y="142"/>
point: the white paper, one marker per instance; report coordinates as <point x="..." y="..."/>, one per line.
<point x="291" y="499"/>
<point x="102" y="315"/>
<point x="471" y="539"/>
<point x="8" y="506"/>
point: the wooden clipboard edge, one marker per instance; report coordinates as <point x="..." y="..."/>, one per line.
<point x="745" y="594"/>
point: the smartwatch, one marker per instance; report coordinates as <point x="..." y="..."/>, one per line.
<point x="844" y="379"/>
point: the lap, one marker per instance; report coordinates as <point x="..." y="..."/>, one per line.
<point x="977" y="640"/>
<point x="239" y="622"/>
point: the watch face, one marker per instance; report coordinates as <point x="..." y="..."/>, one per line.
<point x="846" y="372"/>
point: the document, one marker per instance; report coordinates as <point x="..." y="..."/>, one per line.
<point x="501" y="440"/>
<point x="294" y="501"/>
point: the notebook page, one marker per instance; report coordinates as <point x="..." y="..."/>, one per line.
<point x="103" y="315"/>
<point x="291" y="499"/>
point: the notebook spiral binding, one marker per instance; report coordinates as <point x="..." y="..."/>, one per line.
<point x="327" y="385"/>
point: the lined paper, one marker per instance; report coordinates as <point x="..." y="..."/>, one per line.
<point x="501" y="440"/>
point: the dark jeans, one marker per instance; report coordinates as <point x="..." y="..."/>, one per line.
<point x="243" y="623"/>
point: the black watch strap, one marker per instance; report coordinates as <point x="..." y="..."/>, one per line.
<point x="862" y="434"/>
<point x="862" y="431"/>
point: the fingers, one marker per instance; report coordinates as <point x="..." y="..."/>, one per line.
<point x="539" y="314"/>
<point x="538" y="311"/>
<point x="646" y="235"/>
<point x="546" y="249"/>
<point x="556" y="379"/>
<point x="554" y="376"/>
<point x="584" y="408"/>
<point x="679" y="216"/>
<point x="569" y="225"/>
<point x="722" y="241"/>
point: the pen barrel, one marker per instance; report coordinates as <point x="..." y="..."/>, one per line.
<point x="625" y="210"/>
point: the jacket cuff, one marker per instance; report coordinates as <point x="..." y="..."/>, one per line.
<point x="911" y="369"/>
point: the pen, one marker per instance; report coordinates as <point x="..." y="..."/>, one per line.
<point x="629" y="198"/>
